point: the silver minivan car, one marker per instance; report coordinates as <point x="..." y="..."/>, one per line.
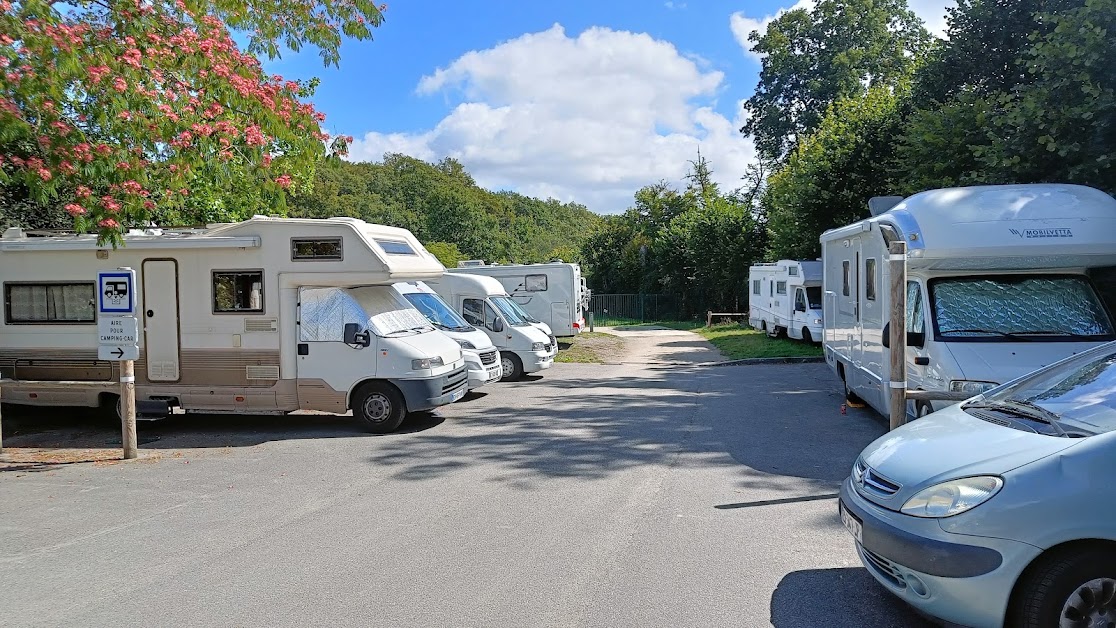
<point x="1000" y="510"/>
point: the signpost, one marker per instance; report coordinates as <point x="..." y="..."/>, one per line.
<point x="118" y="340"/>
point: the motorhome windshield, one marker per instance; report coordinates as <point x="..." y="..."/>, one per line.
<point x="325" y="311"/>
<point x="814" y="296"/>
<point x="1015" y="308"/>
<point x="1077" y="397"/>
<point x="523" y="313"/>
<point x="388" y="313"/>
<point x="436" y="311"/>
<point x="509" y="310"/>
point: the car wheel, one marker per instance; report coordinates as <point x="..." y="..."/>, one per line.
<point x="380" y="407"/>
<point x="922" y="409"/>
<point x="806" y="337"/>
<point x="512" y="365"/>
<point x="1074" y="589"/>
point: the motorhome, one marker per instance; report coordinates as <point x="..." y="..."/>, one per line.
<point x="998" y="285"/>
<point x="268" y="315"/>
<point x="483" y="302"/>
<point x="785" y="298"/>
<point x="481" y="355"/>
<point x="555" y="293"/>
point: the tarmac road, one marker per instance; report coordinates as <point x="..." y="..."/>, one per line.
<point x="641" y="493"/>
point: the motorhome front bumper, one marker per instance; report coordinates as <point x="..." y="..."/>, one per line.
<point x="959" y="578"/>
<point x="424" y="394"/>
<point x="534" y="361"/>
<point x="484" y="367"/>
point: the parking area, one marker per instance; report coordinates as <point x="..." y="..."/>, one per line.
<point x="652" y="490"/>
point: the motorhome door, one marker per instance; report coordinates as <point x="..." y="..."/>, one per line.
<point x="160" y="320"/>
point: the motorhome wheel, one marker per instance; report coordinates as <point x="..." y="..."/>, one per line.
<point x="513" y="367"/>
<point x="806" y="335"/>
<point x="1069" y="589"/>
<point x="380" y="407"/>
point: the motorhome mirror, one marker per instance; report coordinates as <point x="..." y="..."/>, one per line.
<point x="498" y="325"/>
<point x="354" y="335"/>
<point x="914" y="338"/>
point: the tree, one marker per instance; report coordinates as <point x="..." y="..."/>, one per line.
<point x="119" y="110"/>
<point x="811" y="59"/>
<point x="446" y="252"/>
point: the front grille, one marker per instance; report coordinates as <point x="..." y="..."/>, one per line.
<point x="455" y="380"/>
<point x="883" y="567"/>
<point x="488" y="357"/>
<point x="867" y="478"/>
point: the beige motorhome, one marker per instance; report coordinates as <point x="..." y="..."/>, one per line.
<point x="268" y="315"/>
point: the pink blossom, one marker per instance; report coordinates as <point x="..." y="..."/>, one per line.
<point x="119" y="84"/>
<point x="44" y="174"/>
<point x="284" y="181"/>
<point x="110" y="204"/>
<point x="83" y="192"/>
<point x="109" y="223"/>
<point x="74" y="209"/>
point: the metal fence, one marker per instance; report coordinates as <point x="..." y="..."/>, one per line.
<point x="614" y="309"/>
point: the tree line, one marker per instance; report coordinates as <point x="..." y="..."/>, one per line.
<point x="856" y="99"/>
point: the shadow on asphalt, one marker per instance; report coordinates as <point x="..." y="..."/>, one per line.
<point x="839" y="598"/>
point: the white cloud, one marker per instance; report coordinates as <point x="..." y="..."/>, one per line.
<point x="590" y="118"/>
<point x="932" y="12"/>
<point x="675" y="5"/>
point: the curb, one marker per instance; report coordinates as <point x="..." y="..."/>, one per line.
<point x="750" y="361"/>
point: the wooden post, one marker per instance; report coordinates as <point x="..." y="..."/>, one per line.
<point x="1" y="434"/>
<point x="897" y="270"/>
<point x="709" y="318"/>
<point x="128" y="407"/>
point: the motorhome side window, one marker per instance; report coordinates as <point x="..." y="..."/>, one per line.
<point x="534" y="283"/>
<point x="781" y="287"/>
<point x="473" y="311"/>
<point x="916" y="318"/>
<point x="792" y="271"/>
<point x="800" y="300"/>
<point x="845" y="278"/>
<point x="46" y="303"/>
<point x="755" y="286"/>
<point x="870" y="279"/>
<point x="316" y="249"/>
<point x="238" y="291"/>
<point x="395" y="247"/>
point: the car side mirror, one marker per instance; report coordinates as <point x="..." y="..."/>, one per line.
<point x="355" y="336"/>
<point x="498" y="325"/>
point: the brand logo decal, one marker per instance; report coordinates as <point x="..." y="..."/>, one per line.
<point x="1043" y="233"/>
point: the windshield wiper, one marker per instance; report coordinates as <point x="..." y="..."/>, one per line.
<point x="1003" y="334"/>
<point x="1051" y="332"/>
<point x="1024" y="408"/>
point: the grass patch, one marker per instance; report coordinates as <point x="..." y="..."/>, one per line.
<point x="739" y="343"/>
<point x="589" y="347"/>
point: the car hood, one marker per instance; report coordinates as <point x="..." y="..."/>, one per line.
<point x="1002" y="362"/>
<point x="947" y="445"/>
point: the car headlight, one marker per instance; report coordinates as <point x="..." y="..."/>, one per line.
<point x="465" y="344"/>
<point x="953" y="497"/>
<point x="817" y="321"/>
<point x="426" y="363"/>
<point x="971" y="387"/>
<point x="537" y="346"/>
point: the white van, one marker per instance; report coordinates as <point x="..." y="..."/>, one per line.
<point x="997" y="286"/>
<point x="480" y="354"/>
<point x="483" y="302"/>
<point x="785" y="298"/>
<point x="554" y="293"/>
<point x="264" y="316"/>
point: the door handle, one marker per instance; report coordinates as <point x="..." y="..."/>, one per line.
<point x="922" y="361"/>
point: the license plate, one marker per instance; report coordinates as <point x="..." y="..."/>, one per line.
<point x="852" y="524"/>
<point x="457" y="395"/>
<point x="493" y="374"/>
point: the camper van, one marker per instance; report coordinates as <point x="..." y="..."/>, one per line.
<point x="480" y="354"/>
<point x="483" y="302"/>
<point x="785" y="298"/>
<point x="554" y="293"/>
<point x="268" y="315"/>
<point x="998" y="286"/>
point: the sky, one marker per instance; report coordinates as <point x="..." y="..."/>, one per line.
<point x="582" y="100"/>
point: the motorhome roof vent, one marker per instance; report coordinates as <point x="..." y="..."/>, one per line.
<point x="880" y="204"/>
<point x="470" y="262"/>
<point x="12" y="233"/>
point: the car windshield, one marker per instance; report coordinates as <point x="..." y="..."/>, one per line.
<point x="1078" y="396"/>
<point x="436" y="311"/>
<point x="509" y="310"/>
<point x="1018" y="308"/>
<point x="814" y="296"/>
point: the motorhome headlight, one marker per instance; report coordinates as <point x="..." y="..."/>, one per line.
<point x="538" y="346"/>
<point x="953" y="497"/>
<point x="465" y="344"/>
<point x="426" y="363"/>
<point x="817" y="321"/>
<point x="970" y="387"/>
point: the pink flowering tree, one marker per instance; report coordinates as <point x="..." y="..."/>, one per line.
<point x="121" y="110"/>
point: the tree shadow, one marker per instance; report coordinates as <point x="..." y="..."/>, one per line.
<point x="839" y="598"/>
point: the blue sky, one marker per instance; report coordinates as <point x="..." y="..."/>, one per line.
<point x="581" y="101"/>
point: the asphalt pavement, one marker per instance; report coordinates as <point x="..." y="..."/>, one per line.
<point x="647" y="492"/>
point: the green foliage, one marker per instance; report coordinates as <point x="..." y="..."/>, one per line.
<point x="814" y="58"/>
<point x="829" y="178"/>
<point x="441" y="203"/>
<point x="446" y="252"/>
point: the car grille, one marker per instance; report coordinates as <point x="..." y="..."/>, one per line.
<point x="884" y="567"/>
<point x="488" y="357"/>
<point x="866" y="478"/>
<point x="455" y="380"/>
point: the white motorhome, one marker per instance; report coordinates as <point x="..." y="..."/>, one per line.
<point x="785" y="298"/>
<point x="263" y="316"/>
<point x="483" y="302"/>
<point x="480" y="354"/>
<point x="997" y="286"/>
<point x="555" y="293"/>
